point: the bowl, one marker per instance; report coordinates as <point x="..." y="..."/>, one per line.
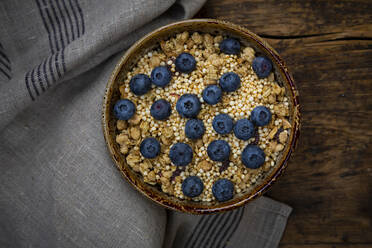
<point x="148" y="42"/>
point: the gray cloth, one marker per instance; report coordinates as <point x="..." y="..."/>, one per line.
<point x="58" y="185"/>
<point x="260" y="223"/>
<point x="50" y="41"/>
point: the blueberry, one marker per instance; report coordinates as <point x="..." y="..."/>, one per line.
<point x="194" y="129"/>
<point x="230" y="46"/>
<point x="262" y="66"/>
<point x="219" y="150"/>
<point x="261" y="116"/>
<point x="253" y="157"/>
<point x="222" y="124"/>
<point x="140" y="84"/>
<point x="212" y="94"/>
<point x="124" y="109"/>
<point x="185" y="63"/>
<point x="244" y="129"/>
<point x="161" y="76"/>
<point x="188" y="105"/>
<point x="180" y="154"/>
<point x="150" y="147"/>
<point x="161" y="109"/>
<point x="223" y="190"/>
<point x="229" y="81"/>
<point x="192" y="186"/>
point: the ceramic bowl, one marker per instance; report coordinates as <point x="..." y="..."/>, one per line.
<point x="146" y="44"/>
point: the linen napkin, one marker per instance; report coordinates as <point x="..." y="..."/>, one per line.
<point x="260" y="223"/>
<point x="58" y="185"/>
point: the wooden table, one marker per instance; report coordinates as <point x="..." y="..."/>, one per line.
<point x="328" y="47"/>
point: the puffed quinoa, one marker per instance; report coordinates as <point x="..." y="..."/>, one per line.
<point x="248" y="54"/>
<point x="279" y="147"/>
<point x="272" y="132"/>
<point x="135" y="120"/>
<point x="124" y="149"/>
<point x="283" y="137"/>
<point x="135" y="133"/>
<point x="211" y="65"/>
<point x="205" y="165"/>
<point x="122" y="138"/>
<point x="121" y="125"/>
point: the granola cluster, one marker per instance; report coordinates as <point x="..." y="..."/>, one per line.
<point x="211" y="64"/>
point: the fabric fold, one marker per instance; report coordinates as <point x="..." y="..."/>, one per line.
<point x="60" y="40"/>
<point x="260" y="223"/>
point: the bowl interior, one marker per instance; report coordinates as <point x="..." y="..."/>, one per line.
<point x="152" y="40"/>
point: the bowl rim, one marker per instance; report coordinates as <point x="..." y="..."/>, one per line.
<point x="267" y="181"/>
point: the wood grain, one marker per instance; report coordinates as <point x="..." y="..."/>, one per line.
<point x="328" y="47"/>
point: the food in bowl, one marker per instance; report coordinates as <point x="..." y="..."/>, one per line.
<point x="202" y="116"/>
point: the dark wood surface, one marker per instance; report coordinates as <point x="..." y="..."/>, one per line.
<point x="328" y="48"/>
